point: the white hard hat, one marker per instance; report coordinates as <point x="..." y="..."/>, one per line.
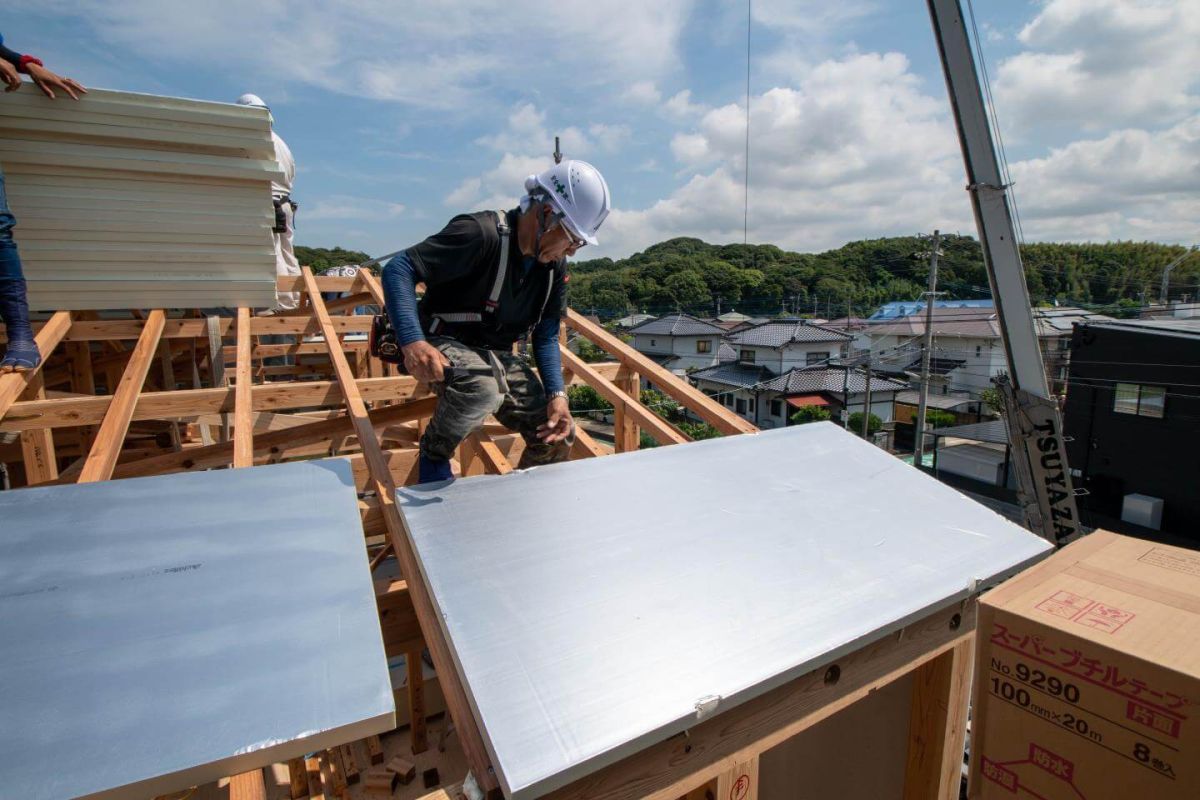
<point x="252" y="100"/>
<point x="578" y="191"/>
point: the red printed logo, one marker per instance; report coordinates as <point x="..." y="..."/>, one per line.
<point x="1085" y="611"/>
<point x="998" y="774"/>
<point x="1154" y="720"/>
<point x="741" y="788"/>
<point x="1053" y="763"/>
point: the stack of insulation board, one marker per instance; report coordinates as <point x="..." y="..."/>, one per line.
<point x="136" y="201"/>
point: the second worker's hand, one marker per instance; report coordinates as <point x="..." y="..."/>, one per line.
<point x="9" y="76"/>
<point x="48" y="81"/>
<point x="424" y="361"/>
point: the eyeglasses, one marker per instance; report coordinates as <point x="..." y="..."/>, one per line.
<point x="576" y="242"/>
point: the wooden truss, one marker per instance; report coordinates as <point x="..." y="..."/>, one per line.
<point x="150" y="393"/>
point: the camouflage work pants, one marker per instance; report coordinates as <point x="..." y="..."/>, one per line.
<point x="518" y="402"/>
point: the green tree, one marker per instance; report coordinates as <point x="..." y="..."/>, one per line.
<point x="687" y="288"/>
<point x="582" y="397"/>
<point x="806" y="414"/>
<point x="936" y="418"/>
<point x="873" y="424"/>
<point x="699" y="430"/>
<point x="991" y="398"/>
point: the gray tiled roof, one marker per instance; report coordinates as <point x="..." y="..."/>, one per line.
<point x="781" y="332"/>
<point x="733" y="374"/>
<point x="807" y="381"/>
<point x="679" y="325"/>
<point x="726" y="352"/>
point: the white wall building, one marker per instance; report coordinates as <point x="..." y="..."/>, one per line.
<point x="679" y="342"/>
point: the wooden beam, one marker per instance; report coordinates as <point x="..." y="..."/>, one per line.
<point x="192" y="328"/>
<point x="37" y="446"/>
<point x="51" y="333"/>
<point x="692" y="398"/>
<point x="102" y="458"/>
<point x="69" y="412"/>
<point x="937" y="725"/>
<point x="279" y="443"/>
<point x="83" y="381"/>
<point x="243" y="427"/>
<point x="656" y="426"/>
<point x="585" y="446"/>
<point x="415" y="688"/>
<point x="400" y="537"/>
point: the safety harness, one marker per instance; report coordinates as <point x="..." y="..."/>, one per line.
<point x="383" y="343"/>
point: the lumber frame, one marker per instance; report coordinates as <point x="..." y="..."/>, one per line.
<point x="243" y="427"/>
<point x="47" y="338"/>
<point x="730" y="741"/>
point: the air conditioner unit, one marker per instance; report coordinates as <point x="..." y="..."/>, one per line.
<point x="1142" y="509"/>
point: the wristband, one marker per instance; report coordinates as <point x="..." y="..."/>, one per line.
<point x="23" y="65"/>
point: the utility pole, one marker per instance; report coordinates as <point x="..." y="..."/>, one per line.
<point x="1162" y="289"/>
<point x="846" y="394"/>
<point x="866" y="423"/>
<point x="718" y="305"/>
<point x="926" y="351"/>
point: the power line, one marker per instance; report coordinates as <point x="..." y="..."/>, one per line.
<point x="746" y="200"/>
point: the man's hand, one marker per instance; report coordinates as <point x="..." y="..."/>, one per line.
<point x="424" y="361"/>
<point x="558" y="422"/>
<point x="10" y="76"/>
<point x="47" y="81"/>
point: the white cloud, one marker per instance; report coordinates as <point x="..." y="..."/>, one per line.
<point x="855" y="149"/>
<point x="1129" y="184"/>
<point x="439" y="55"/>
<point x="643" y="93"/>
<point x="681" y="106"/>
<point x="1091" y="64"/>
<point x="342" y="207"/>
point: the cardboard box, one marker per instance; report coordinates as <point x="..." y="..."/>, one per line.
<point x="1087" y="676"/>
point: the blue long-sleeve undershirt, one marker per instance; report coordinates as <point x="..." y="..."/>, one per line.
<point x="400" y="296"/>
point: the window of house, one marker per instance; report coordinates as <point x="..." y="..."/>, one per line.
<point x="727" y="400"/>
<point x="653" y="343"/>
<point x="740" y="406"/>
<point x="703" y="345"/>
<point x="776" y="408"/>
<point x="1142" y="401"/>
<point x="747" y="356"/>
<point x="978" y="350"/>
<point x="811" y="359"/>
<point x="753" y="405"/>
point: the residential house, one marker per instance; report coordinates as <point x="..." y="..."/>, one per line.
<point x="899" y="309"/>
<point x="1131" y="416"/>
<point x="968" y="350"/>
<point x="783" y="365"/>
<point x="679" y="342"/>
<point x="632" y="321"/>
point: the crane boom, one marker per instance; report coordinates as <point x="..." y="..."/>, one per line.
<point x="1032" y="416"/>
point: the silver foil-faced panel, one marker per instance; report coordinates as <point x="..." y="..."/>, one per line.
<point x="599" y="606"/>
<point x="167" y="631"/>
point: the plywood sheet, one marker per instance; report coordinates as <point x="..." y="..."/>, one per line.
<point x="598" y="606"/>
<point x="163" y="632"/>
<point x="136" y="201"/>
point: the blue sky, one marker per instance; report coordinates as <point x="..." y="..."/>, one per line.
<point x="402" y="114"/>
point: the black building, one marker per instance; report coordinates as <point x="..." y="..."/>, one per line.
<point x="1133" y="415"/>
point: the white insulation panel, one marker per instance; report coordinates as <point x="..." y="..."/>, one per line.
<point x="136" y="201"/>
<point x="596" y="607"/>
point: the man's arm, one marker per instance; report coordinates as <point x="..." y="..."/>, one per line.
<point x="46" y="80"/>
<point x="546" y="355"/>
<point x="422" y="360"/>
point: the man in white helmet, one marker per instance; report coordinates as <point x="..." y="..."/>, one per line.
<point x="285" y="211"/>
<point x="490" y="278"/>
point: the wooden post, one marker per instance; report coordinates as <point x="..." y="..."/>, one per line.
<point x="416" y="700"/>
<point x="37" y="446"/>
<point x="626" y="434"/>
<point x="103" y="456"/>
<point x="83" y="381"/>
<point x="243" y="424"/>
<point x="297" y="778"/>
<point x="937" y="725"/>
<point x="248" y="786"/>
<point x="739" y="782"/>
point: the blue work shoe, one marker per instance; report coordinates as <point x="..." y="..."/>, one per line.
<point x="21" y="356"/>
<point x="430" y="470"/>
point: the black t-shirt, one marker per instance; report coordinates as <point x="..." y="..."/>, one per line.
<point x="458" y="266"/>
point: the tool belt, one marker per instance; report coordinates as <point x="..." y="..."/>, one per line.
<point x="281" y="222"/>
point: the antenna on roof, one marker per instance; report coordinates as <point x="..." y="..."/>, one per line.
<point x="557" y="152"/>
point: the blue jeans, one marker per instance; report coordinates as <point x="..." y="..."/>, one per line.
<point x="10" y="261"/>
